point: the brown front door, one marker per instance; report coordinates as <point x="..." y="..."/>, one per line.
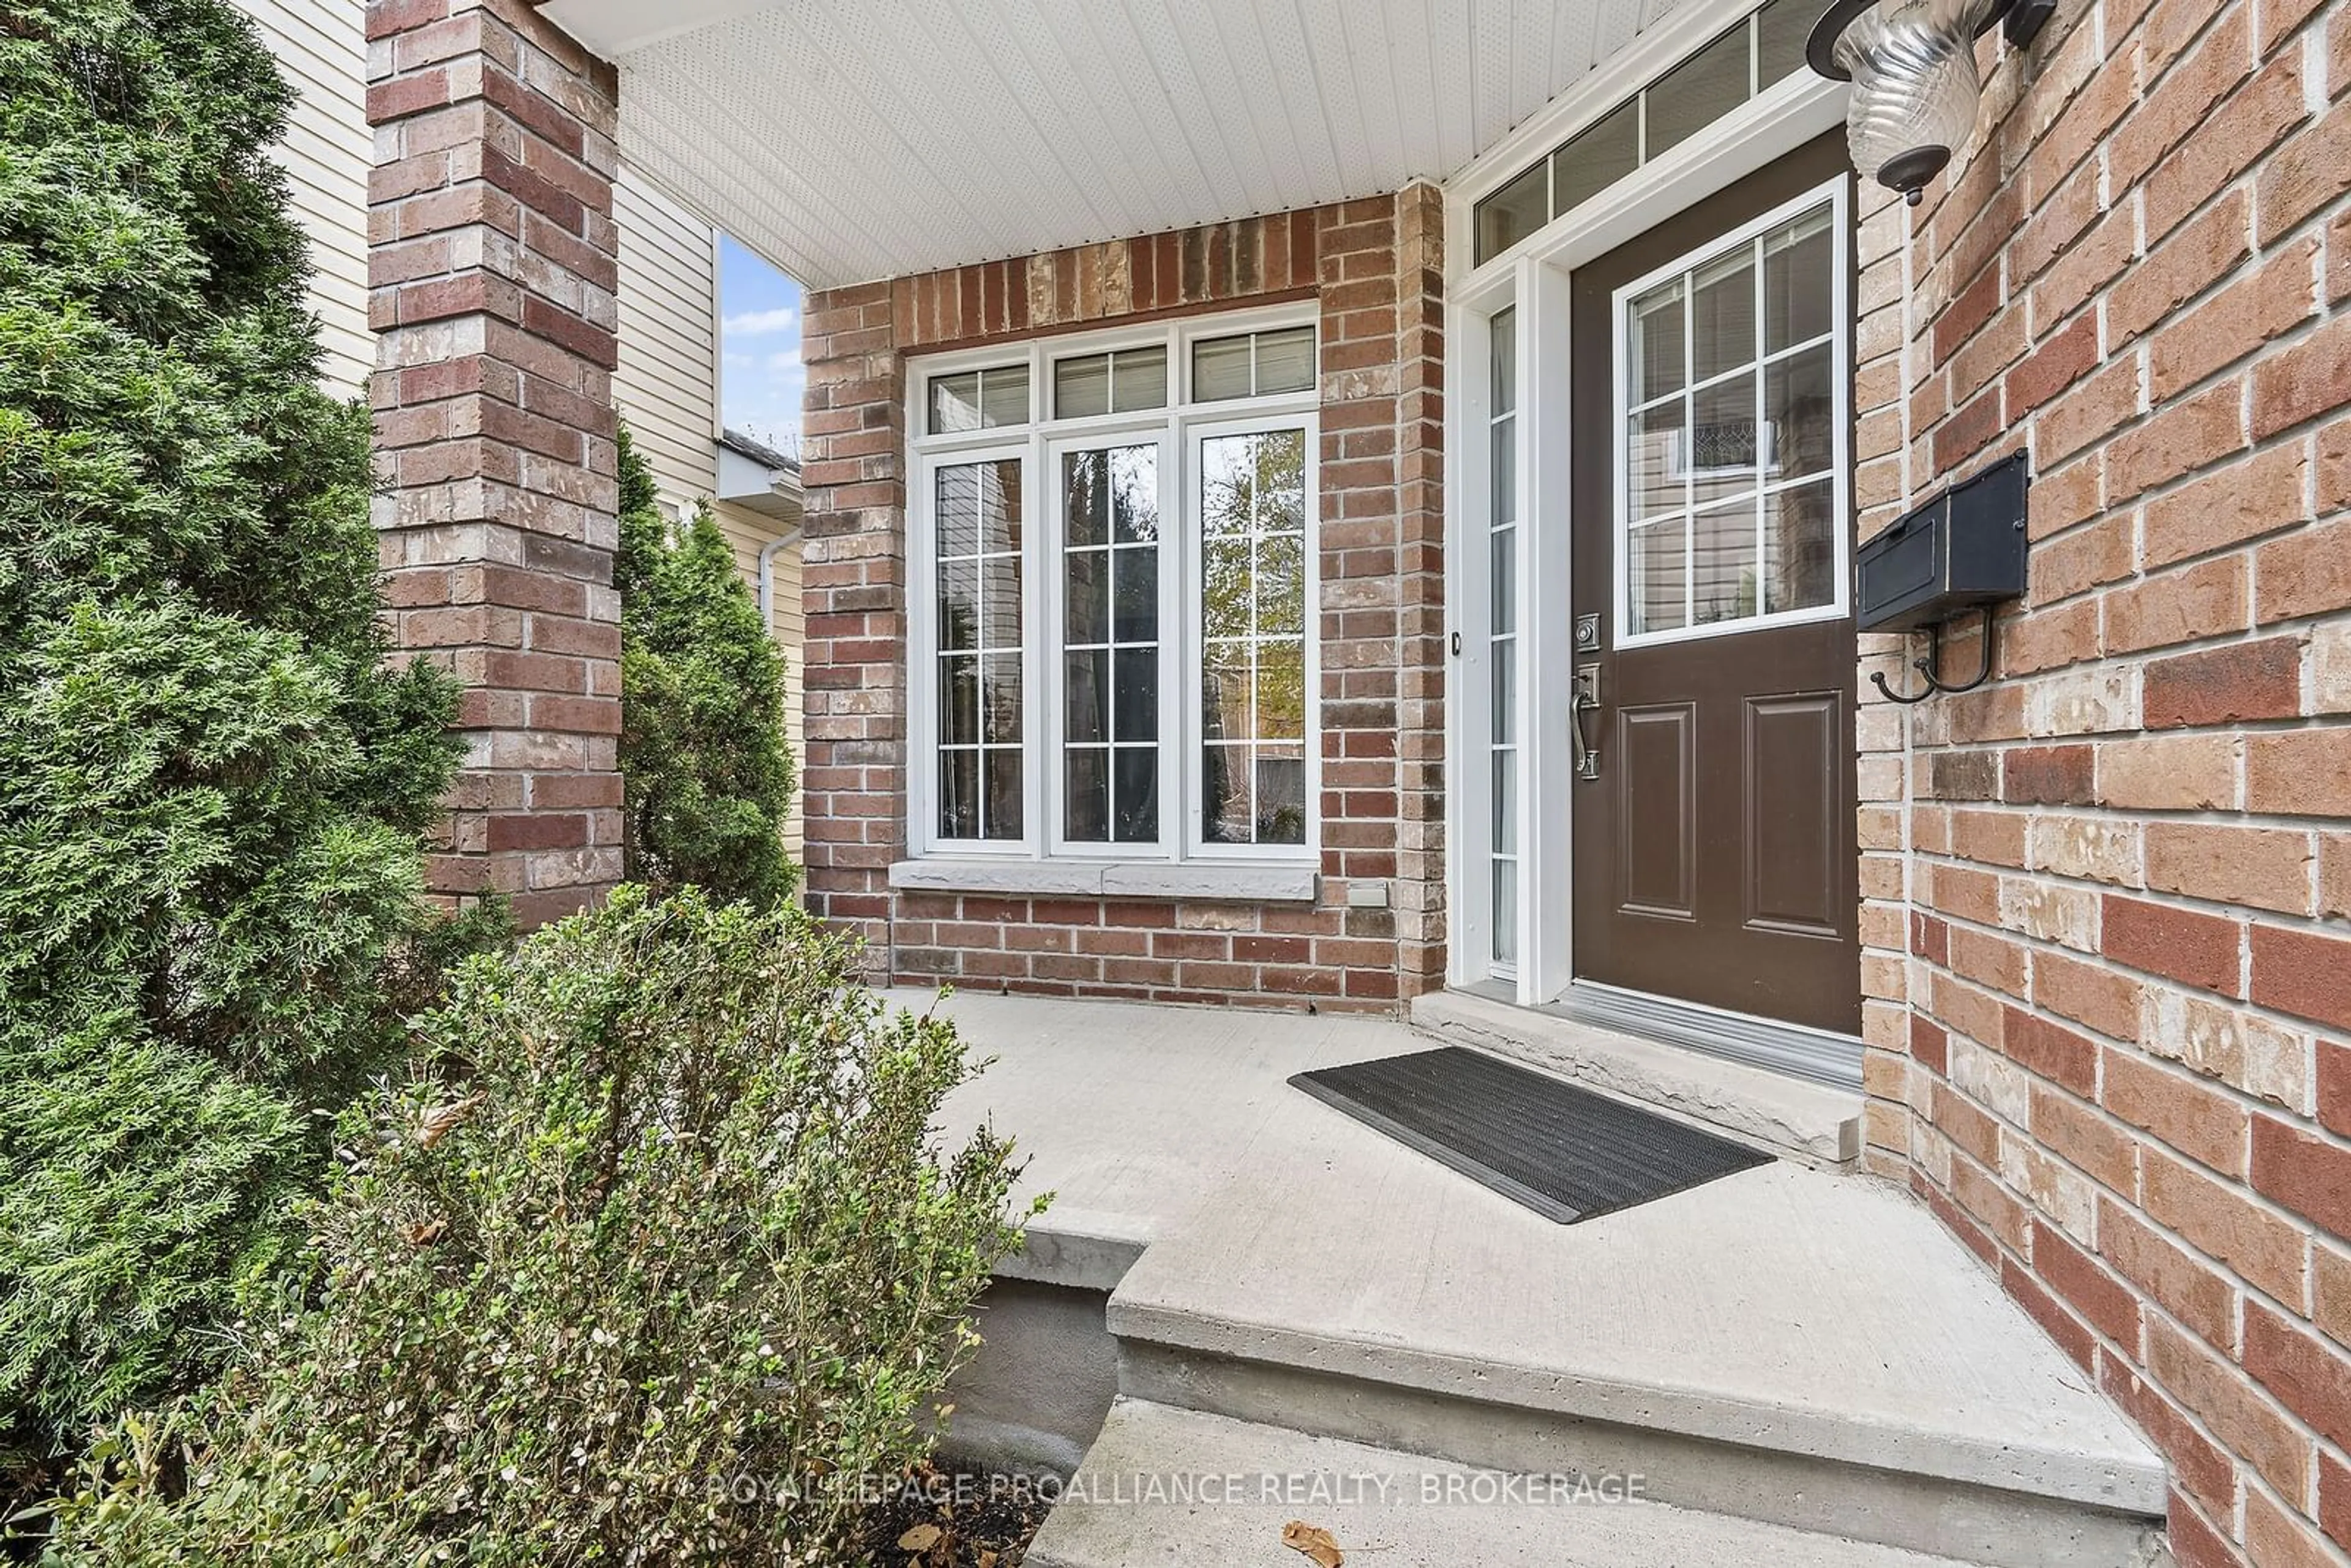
<point x="1714" y="851"/>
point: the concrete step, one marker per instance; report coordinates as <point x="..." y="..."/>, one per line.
<point x="1799" y="1346"/>
<point x="1789" y="1117"/>
<point x="1159" y="1488"/>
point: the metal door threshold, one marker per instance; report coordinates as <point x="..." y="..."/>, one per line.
<point x="1819" y="1056"/>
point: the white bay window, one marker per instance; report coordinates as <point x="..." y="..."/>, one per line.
<point x="1112" y="539"/>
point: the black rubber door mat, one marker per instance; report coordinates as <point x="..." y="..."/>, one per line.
<point x="1565" y="1153"/>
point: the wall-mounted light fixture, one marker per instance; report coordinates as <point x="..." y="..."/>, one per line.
<point x="1912" y="64"/>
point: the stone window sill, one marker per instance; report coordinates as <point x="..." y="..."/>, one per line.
<point x="1291" y="883"/>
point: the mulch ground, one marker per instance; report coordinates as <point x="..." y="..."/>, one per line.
<point x="953" y="1518"/>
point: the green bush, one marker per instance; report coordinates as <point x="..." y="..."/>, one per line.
<point x="707" y="770"/>
<point x="211" y="780"/>
<point x="665" y="1225"/>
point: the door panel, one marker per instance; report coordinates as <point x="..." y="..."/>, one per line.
<point x="1793" y="881"/>
<point x="1714" y="851"/>
<point x="1657" y="783"/>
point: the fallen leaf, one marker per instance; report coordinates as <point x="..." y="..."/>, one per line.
<point x="922" y="1538"/>
<point x="426" y="1234"/>
<point x="987" y="1560"/>
<point x="440" y="1118"/>
<point x="1314" y="1541"/>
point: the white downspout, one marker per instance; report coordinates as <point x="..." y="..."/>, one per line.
<point x="768" y="577"/>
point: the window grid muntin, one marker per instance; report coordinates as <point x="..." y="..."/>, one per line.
<point x="1750" y="368"/>
<point x="1117" y="743"/>
<point x="1178" y="426"/>
<point x="994" y="651"/>
<point x="1823" y="209"/>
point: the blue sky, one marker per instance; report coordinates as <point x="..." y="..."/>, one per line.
<point x="761" y="376"/>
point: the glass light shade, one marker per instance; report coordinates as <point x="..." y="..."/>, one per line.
<point x="1914" y="86"/>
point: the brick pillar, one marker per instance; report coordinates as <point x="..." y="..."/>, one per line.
<point x="1423" y="919"/>
<point x="853" y="584"/>
<point x="492" y="275"/>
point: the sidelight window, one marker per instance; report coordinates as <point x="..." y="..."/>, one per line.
<point x="1502" y="637"/>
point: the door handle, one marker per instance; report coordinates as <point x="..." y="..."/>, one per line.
<point x="1587" y="699"/>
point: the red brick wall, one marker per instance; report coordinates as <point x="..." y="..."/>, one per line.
<point x="2129" y="856"/>
<point x="491" y="274"/>
<point x="1376" y="266"/>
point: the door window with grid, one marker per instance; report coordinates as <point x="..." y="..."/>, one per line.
<point x="1732" y="373"/>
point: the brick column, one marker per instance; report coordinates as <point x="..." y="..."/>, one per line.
<point x="1423" y="920"/>
<point x="1381" y="273"/>
<point x="853" y="586"/>
<point x="492" y="275"/>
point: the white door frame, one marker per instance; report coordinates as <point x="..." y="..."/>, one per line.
<point x="1534" y="275"/>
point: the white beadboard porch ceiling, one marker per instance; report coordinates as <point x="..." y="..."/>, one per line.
<point x="853" y="139"/>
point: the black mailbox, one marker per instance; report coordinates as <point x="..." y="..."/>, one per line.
<point x="1962" y="550"/>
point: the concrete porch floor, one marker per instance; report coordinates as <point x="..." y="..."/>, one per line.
<point x="1814" y="1316"/>
<point x="1132" y="1114"/>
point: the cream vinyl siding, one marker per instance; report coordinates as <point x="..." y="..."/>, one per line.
<point x="322" y="46"/>
<point x="667" y="385"/>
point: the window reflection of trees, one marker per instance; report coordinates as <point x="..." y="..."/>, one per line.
<point x="1253" y="638"/>
<point x="1111" y="645"/>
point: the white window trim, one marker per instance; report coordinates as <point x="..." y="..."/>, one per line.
<point x="923" y="652"/>
<point x="1055" y="542"/>
<point x="1179" y="864"/>
<point x="1840" y="472"/>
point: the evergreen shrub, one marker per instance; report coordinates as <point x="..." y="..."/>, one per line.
<point x="704" y="757"/>
<point x="658" y="1260"/>
<point x="212" y="780"/>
